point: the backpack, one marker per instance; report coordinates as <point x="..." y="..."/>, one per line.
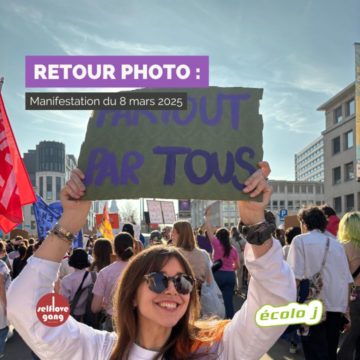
<point x="89" y="318"/>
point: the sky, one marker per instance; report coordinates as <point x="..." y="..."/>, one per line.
<point x="301" y="53"/>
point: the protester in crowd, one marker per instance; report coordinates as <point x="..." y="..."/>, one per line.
<point x="4" y="285"/>
<point x="290" y="233"/>
<point x="349" y="236"/>
<point x="89" y="244"/>
<point x="306" y="254"/>
<point x="29" y="252"/>
<point x="25" y="243"/>
<point x="290" y="334"/>
<point x="246" y="275"/>
<point x="37" y="245"/>
<point x="280" y="235"/>
<point x="225" y="275"/>
<point x="332" y="220"/>
<point x="204" y="242"/>
<point x="70" y="284"/>
<point x="102" y="252"/>
<point x="138" y="246"/>
<point x="166" y="233"/>
<point x="65" y="268"/>
<point x="12" y="247"/>
<point x="3" y="254"/>
<point x="19" y="262"/>
<point x="108" y="277"/>
<point x="182" y="236"/>
<point x="238" y="242"/>
<point x="156" y="238"/>
<point x="156" y="303"/>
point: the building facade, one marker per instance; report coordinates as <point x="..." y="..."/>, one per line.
<point x="289" y="195"/>
<point x="342" y="191"/>
<point x="294" y="195"/>
<point x="49" y="168"/>
<point x="309" y="162"/>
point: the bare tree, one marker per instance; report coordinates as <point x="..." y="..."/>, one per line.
<point x="129" y="213"/>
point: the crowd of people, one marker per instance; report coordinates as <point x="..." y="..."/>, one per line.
<point x="145" y="297"/>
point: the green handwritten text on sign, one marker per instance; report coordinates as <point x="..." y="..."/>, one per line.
<point x="204" y="152"/>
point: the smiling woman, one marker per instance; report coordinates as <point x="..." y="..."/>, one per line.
<point x="156" y="305"/>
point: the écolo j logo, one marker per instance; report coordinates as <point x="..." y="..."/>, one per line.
<point x="293" y="313"/>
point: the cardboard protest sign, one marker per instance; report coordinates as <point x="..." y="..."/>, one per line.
<point x="291" y="221"/>
<point x="19" y="232"/>
<point x="204" y="152"/>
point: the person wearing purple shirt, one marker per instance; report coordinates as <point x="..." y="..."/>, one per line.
<point x="203" y="242"/>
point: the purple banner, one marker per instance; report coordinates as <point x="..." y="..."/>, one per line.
<point x="117" y="71"/>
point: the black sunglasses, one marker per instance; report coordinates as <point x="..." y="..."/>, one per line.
<point x="158" y="282"/>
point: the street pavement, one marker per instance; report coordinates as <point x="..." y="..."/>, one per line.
<point x="16" y="349"/>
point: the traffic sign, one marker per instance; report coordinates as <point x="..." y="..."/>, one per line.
<point x="282" y="214"/>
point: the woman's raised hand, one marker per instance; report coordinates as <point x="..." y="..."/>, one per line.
<point x="252" y="212"/>
<point x="75" y="211"/>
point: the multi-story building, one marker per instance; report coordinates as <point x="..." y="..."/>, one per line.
<point x="46" y="168"/>
<point x="309" y="162"/>
<point x="49" y="168"/>
<point x="289" y="195"/>
<point x="294" y="195"/>
<point x="342" y="191"/>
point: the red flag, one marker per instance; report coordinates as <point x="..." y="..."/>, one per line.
<point x="15" y="186"/>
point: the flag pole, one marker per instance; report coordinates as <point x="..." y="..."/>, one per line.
<point x="1" y="83"/>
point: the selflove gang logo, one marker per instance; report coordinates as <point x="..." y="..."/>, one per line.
<point x="53" y="309"/>
<point x="293" y="313"/>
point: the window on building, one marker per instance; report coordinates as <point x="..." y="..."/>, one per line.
<point x="349" y="171"/>
<point x="58" y="187"/>
<point x="282" y="188"/>
<point x="297" y="204"/>
<point x="318" y="189"/>
<point x="349" y="202"/>
<point x="41" y="186"/>
<point x="348" y="140"/>
<point x="282" y="204"/>
<point x="297" y="188"/>
<point x="337" y="175"/>
<point x="290" y="205"/>
<point x="318" y="203"/>
<point x="337" y="204"/>
<point x="303" y="189"/>
<point x="350" y="107"/>
<point x="304" y="204"/>
<point x="275" y="188"/>
<point x="337" y="115"/>
<point x="275" y="204"/>
<point x="48" y="188"/>
<point x="290" y="188"/>
<point x="336" y="145"/>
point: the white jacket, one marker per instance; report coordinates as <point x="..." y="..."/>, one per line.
<point x="272" y="282"/>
